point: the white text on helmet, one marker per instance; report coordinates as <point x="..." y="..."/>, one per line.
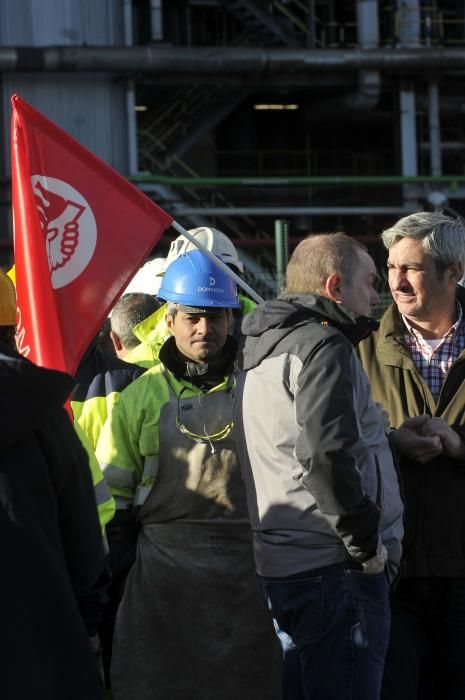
<point x="217" y="290"/>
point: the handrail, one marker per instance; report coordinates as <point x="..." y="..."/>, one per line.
<point x="451" y="180"/>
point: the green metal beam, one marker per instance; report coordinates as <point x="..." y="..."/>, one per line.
<point x="452" y="180"/>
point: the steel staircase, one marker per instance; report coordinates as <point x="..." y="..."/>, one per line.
<point x="255" y="16"/>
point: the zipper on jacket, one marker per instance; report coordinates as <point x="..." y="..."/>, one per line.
<point x="444" y="395"/>
<point x="379" y="486"/>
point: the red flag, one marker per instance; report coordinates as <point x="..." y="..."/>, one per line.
<point x="81" y="231"/>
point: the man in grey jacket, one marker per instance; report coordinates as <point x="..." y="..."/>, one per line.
<point x="322" y="488"/>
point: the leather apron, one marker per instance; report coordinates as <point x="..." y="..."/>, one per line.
<point x="192" y="623"/>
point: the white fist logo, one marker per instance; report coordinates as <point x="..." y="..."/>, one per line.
<point x="69" y="227"/>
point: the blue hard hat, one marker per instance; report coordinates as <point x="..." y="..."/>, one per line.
<point x="194" y="280"/>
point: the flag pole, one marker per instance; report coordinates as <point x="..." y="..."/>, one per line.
<point x="227" y="270"/>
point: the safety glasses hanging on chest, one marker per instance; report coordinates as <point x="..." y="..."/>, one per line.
<point x="205" y="418"/>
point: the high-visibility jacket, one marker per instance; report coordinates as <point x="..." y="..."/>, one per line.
<point x="92" y="410"/>
<point x="104" y="499"/>
<point x="100" y="378"/>
<point x="153" y="331"/>
<point x="128" y="446"/>
<point x="169" y="448"/>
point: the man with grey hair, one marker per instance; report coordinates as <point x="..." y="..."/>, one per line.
<point x="322" y="488"/>
<point x="415" y="363"/>
<point x="128" y="311"/>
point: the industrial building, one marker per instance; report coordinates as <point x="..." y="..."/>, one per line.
<point x="253" y="116"/>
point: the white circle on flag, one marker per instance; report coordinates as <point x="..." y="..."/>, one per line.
<point x="68" y="226"/>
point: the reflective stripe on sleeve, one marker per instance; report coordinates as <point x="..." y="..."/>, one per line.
<point x="123" y="502"/>
<point x="102" y="492"/>
<point x="151" y="464"/>
<point x="118" y="477"/>
<point x="141" y="494"/>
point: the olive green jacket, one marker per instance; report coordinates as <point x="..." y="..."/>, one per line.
<point x="434" y="493"/>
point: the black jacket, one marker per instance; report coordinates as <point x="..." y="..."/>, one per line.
<point x="100" y="372"/>
<point x="51" y="543"/>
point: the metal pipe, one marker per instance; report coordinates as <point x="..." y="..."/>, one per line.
<point x="269" y="242"/>
<point x="433" y="114"/>
<point x="408" y="141"/>
<point x="369" y="82"/>
<point x="281" y="235"/>
<point x="408" y="132"/>
<point x="151" y="182"/>
<point x="445" y="146"/>
<point x="409" y="36"/>
<point x="408" y="14"/>
<point x="292" y="211"/>
<point x="365" y="97"/>
<point x="343" y="180"/>
<point x="210" y="61"/>
<point x="434" y="129"/>
<point x="156" y="20"/>
<point x="131" y="140"/>
<point x="311" y="24"/>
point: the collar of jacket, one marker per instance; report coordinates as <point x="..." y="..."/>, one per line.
<point x="199" y="374"/>
<point x="391" y="348"/>
<point x="322" y="310"/>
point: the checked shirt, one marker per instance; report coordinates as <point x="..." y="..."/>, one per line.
<point x="433" y="363"/>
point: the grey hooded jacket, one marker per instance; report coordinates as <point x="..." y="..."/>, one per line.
<point x="321" y="483"/>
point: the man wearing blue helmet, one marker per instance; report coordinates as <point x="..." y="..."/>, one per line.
<point x="153" y="331"/>
<point x="190" y="623"/>
<point x="199" y="299"/>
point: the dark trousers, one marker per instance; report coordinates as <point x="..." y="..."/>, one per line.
<point x="426" y="656"/>
<point x="122" y="534"/>
<point x="333" y="625"/>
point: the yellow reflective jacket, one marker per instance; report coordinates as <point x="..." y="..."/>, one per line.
<point x="101" y="377"/>
<point x="129" y="441"/>
<point x="103" y="497"/>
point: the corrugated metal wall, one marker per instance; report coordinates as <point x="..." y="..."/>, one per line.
<point x="61" y="22"/>
<point x="91" y="107"/>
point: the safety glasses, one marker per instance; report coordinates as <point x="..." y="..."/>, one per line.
<point x="207" y="437"/>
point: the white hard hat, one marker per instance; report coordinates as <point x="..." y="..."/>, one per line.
<point x="147" y="279"/>
<point x="215" y="241"/>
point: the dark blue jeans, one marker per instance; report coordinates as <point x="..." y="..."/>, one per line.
<point x="426" y="656"/>
<point x="333" y="625"/>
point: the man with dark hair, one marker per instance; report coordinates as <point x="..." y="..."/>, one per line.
<point x="153" y="332"/>
<point x="130" y="310"/>
<point x="191" y="623"/>
<point x="415" y="363"/>
<point x="322" y="489"/>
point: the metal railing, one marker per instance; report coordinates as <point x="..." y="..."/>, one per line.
<point x="268" y="280"/>
<point x="333" y="24"/>
<point x="439" y="26"/>
<point x="284" y="162"/>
